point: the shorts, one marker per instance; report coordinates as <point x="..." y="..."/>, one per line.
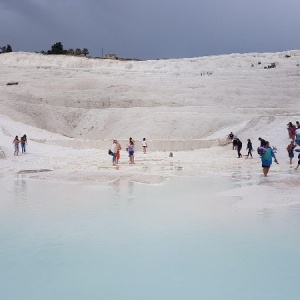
<point x="291" y="154"/>
<point x="131" y="153"/>
<point x="16" y="147"/>
<point x="266" y="166"/>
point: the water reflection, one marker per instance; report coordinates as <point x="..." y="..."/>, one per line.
<point x="171" y="241"/>
<point x="130" y="191"/>
<point x="20" y="187"/>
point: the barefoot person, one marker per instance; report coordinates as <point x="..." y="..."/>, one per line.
<point x="23" y="143"/>
<point x="144" y="144"/>
<point x="113" y="149"/>
<point x="267" y="159"/>
<point x="118" y="152"/>
<point x="290" y="149"/>
<point x="131" y="152"/>
<point x="16" y="143"/>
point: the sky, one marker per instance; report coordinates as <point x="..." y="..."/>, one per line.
<point x="145" y="29"/>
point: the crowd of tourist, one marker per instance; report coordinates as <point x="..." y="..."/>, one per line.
<point x="266" y="152"/>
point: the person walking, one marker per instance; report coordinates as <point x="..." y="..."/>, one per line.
<point x="23" y="143"/>
<point x="113" y="149"/>
<point x="249" y="148"/>
<point x="267" y="159"/>
<point x="16" y="143"/>
<point x="239" y="146"/>
<point x="290" y="149"/>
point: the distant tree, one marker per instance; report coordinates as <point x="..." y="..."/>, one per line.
<point x="78" y="52"/>
<point x="85" y="52"/>
<point x="71" y="51"/>
<point x="56" y="48"/>
<point x="8" y="48"/>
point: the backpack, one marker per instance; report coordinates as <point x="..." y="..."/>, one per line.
<point x="261" y="150"/>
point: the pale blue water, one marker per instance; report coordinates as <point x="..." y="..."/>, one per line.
<point x="126" y="241"/>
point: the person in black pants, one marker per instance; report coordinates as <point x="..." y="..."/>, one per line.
<point x="249" y="148"/>
<point x="239" y="147"/>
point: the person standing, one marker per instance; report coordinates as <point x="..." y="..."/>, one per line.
<point x="290" y="149"/>
<point x="144" y="144"/>
<point x="267" y="159"/>
<point x="239" y="146"/>
<point x="118" y="152"/>
<point x="131" y="152"/>
<point x="249" y="148"/>
<point x="113" y="149"/>
<point x="291" y="130"/>
<point x="16" y="143"/>
<point x="297" y="141"/>
<point x="23" y="143"/>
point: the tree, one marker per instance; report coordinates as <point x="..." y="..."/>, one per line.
<point x="8" y="48"/>
<point x="71" y="51"/>
<point x="78" y="52"/>
<point x="56" y="48"/>
<point x="85" y="52"/>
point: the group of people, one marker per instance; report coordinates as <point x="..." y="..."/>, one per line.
<point x="17" y="142"/>
<point x="115" y="149"/>
<point x="237" y="145"/>
<point x="265" y="151"/>
<point x="294" y="135"/>
<point x="267" y="154"/>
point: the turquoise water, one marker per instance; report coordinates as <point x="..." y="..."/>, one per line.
<point x="178" y="240"/>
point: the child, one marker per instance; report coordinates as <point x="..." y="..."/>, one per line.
<point x="290" y="149"/>
<point x="144" y="144"/>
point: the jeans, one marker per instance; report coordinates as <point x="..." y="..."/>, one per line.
<point x="23" y="148"/>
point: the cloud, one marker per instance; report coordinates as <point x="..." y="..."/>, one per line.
<point x="152" y="29"/>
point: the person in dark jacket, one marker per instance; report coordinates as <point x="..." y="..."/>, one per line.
<point x="262" y="142"/>
<point x="239" y="146"/>
<point x="249" y="148"/>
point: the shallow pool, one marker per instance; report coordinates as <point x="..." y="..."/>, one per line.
<point x="120" y="241"/>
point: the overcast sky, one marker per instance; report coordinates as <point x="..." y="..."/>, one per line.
<point x="150" y="29"/>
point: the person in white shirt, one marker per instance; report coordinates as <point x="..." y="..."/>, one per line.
<point x="144" y="144"/>
<point x="113" y="149"/>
